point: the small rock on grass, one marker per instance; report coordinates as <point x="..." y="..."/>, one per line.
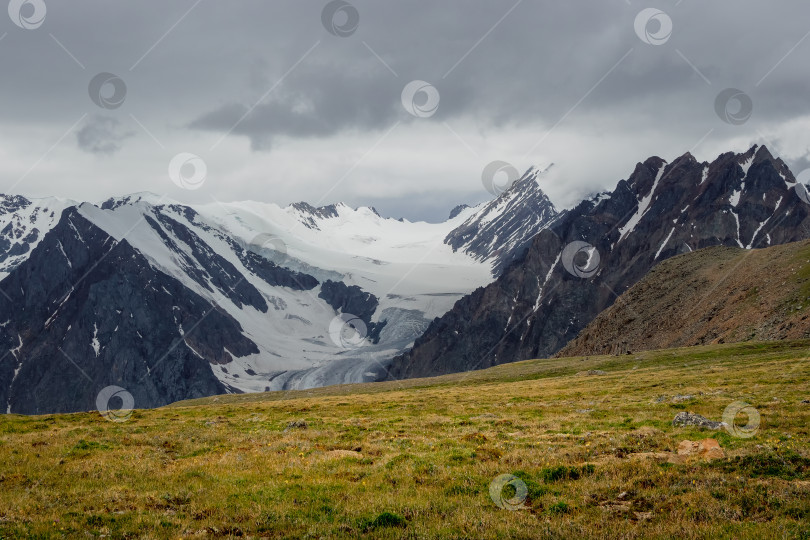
<point x="679" y="398"/>
<point x="692" y="419"/>
<point x="296" y="424"/>
<point x="592" y="372"/>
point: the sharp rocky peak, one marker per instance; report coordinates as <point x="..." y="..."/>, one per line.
<point x="132" y="198"/>
<point x="310" y="215"/>
<point x="323" y="212"/>
<point x="528" y="184"/>
<point x="685" y="168"/>
<point x="500" y="230"/>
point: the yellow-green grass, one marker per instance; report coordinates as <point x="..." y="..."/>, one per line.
<point x="426" y="453"/>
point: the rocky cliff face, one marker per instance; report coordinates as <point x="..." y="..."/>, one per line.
<point x="588" y="256"/>
<point x="351" y="299"/>
<point x="84" y="312"/>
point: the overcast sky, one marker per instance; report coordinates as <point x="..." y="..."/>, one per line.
<point x="280" y="109"/>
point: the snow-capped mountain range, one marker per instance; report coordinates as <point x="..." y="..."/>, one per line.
<point x="172" y="301"/>
<point x="291" y="297"/>
<point x="589" y="255"/>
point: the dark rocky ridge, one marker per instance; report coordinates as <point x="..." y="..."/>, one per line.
<point x="212" y="264"/>
<point x="351" y="299"/>
<point x="11" y="203"/>
<point x="309" y="212"/>
<point x="274" y="274"/>
<point x="155" y="337"/>
<point x="208" y="265"/>
<point x="457" y="210"/>
<point x="537" y="306"/>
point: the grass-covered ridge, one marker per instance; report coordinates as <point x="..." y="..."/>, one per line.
<point x="416" y="459"/>
<point x="717" y="294"/>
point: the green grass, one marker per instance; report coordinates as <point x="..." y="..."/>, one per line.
<point x="415" y="459"/>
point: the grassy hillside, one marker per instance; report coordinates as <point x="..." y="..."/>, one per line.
<point x="416" y="459"/>
<point x="714" y="295"/>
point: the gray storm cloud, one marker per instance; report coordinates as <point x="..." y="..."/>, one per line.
<point x="102" y="135"/>
<point x="524" y="81"/>
<point x="319" y="103"/>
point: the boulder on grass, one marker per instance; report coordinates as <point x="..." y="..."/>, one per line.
<point x="707" y="449"/>
<point x="692" y="419"/>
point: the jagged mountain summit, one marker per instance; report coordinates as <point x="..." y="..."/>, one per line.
<point x="586" y="257"/>
<point x="172" y="301"/>
<point x="500" y="229"/>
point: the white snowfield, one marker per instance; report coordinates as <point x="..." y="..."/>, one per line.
<point x="407" y="266"/>
<point x="384" y="256"/>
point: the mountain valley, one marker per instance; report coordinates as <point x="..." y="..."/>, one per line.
<point x="174" y="301"/>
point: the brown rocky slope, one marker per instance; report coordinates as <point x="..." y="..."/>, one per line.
<point x="714" y="295"/>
